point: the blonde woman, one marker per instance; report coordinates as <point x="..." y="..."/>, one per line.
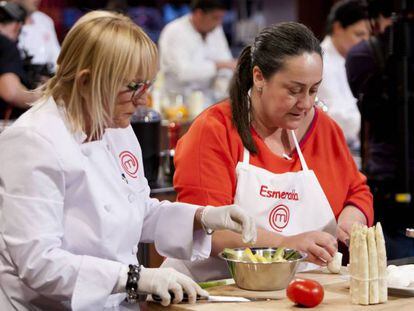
<point x="74" y="202"/>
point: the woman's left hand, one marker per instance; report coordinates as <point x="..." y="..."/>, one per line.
<point x="349" y="215"/>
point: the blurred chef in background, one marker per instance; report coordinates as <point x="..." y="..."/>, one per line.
<point x="38" y="39"/>
<point x="194" y="53"/>
<point x="347" y="25"/>
<point x="14" y="82"/>
<point x="376" y="78"/>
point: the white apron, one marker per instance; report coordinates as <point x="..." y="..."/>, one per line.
<point x="288" y="204"/>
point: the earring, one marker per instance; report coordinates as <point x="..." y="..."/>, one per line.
<point x="259" y="89"/>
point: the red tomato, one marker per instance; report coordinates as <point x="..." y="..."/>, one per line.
<point x="305" y="292"/>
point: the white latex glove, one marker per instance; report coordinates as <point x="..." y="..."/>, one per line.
<point x="160" y="281"/>
<point x="231" y="217"/>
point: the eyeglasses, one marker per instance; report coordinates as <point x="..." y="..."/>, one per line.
<point x="139" y="88"/>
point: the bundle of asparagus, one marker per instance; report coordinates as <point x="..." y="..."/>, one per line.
<point x="368" y="265"/>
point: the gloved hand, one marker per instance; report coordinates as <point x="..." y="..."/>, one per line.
<point x="159" y="281"/>
<point x="231" y="217"/>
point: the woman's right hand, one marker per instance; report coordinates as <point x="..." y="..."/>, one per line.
<point x="320" y="246"/>
<point x="161" y="281"/>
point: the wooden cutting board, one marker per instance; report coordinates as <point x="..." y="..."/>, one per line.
<point x="336" y="298"/>
<point x="322" y="276"/>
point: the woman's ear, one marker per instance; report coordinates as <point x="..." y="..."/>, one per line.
<point x="337" y="28"/>
<point x="82" y="81"/>
<point x="258" y="78"/>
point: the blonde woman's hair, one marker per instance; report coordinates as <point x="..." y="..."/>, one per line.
<point x="115" y="51"/>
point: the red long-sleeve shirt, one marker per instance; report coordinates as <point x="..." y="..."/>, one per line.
<point x="207" y="155"/>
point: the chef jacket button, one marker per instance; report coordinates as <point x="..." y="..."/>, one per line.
<point x="131" y="197"/>
<point x="135" y="250"/>
<point x="107" y="207"/>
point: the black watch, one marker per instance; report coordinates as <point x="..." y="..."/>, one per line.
<point x="132" y="283"/>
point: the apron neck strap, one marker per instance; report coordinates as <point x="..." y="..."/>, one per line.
<point x="246" y="153"/>
<point x="246" y="156"/>
<point x="301" y="158"/>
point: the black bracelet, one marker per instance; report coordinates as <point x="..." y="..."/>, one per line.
<point x="132" y="283"/>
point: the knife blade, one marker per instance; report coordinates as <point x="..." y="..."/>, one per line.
<point x="213" y="299"/>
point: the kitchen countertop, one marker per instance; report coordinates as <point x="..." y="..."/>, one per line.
<point x="336" y="298"/>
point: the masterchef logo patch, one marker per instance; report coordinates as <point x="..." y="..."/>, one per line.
<point x="286" y="195"/>
<point x="279" y="217"/>
<point x="129" y="163"/>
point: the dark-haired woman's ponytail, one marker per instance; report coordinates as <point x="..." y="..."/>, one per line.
<point x="240" y="102"/>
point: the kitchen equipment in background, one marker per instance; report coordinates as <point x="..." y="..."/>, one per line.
<point x="195" y="104"/>
<point x="262" y="276"/>
<point x="174" y="108"/>
<point x="167" y="156"/>
<point x="146" y="123"/>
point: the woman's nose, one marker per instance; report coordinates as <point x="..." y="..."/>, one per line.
<point x="143" y="99"/>
<point x="140" y="101"/>
<point x="306" y="102"/>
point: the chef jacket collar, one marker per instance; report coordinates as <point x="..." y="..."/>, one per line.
<point x="79" y="136"/>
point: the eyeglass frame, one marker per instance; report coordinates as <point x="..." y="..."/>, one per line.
<point x="139" y="88"/>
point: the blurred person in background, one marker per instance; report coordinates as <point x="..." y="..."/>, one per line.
<point x="347" y="25"/>
<point x="14" y="94"/>
<point x="38" y="40"/>
<point x="194" y="52"/>
<point x="270" y="150"/>
<point x="74" y="202"/>
<point x="375" y="76"/>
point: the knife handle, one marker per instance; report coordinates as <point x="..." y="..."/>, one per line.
<point x="157" y="298"/>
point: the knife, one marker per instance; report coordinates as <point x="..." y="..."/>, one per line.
<point x="204" y="299"/>
<point x="213" y="299"/>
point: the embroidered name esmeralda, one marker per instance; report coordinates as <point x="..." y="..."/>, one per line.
<point x="266" y="193"/>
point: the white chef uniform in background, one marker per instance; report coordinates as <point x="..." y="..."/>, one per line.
<point x="38" y="38"/>
<point x="336" y="94"/>
<point x="188" y="62"/>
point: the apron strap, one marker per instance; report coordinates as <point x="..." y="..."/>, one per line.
<point x="246" y="156"/>
<point x="301" y="158"/>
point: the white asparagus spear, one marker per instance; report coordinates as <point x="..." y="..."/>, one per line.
<point x="353" y="264"/>
<point x="382" y="263"/>
<point x="373" y="267"/>
<point x="363" y="268"/>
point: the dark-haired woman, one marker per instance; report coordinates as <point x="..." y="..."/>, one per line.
<point x="270" y="150"/>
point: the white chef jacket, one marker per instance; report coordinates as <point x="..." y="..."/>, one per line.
<point x="188" y="62"/>
<point x="38" y="38"/>
<point x="72" y="213"/>
<point x="335" y="93"/>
